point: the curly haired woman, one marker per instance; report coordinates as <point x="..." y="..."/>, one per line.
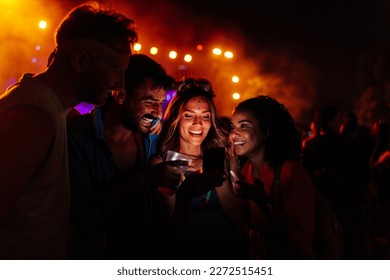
<point x="279" y="189"/>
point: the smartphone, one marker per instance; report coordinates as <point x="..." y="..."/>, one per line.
<point x="214" y="159"/>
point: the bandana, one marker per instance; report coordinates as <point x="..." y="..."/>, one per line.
<point x="91" y="47"/>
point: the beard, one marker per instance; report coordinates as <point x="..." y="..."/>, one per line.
<point x="129" y="123"/>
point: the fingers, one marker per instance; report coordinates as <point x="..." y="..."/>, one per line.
<point x="169" y="176"/>
<point x="234" y="176"/>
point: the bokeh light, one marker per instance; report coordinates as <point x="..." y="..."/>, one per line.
<point x="217" y="51"/>
<point x="153" y="50"/>
<point x="137" y="47"/>
<point x="199" y="47"/>
<point x="42" y="24"/>
<point x="235" y="79"/>
<point x="188" y="58"/>
<point x="228" y="54"/>
<point x="172" y="54"/>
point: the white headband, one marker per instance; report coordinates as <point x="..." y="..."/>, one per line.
<point x="91" y="47"/>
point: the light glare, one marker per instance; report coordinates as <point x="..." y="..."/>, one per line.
<point x="188" y="58"/>
<point x="199" y="47"/>
<point x="172" y="54"/>
<point x="217" y="51"/>
<point x="153" y="50"/>
<point x="42" y="24"/>
<point x="228" y="54"/>
<point x="137" y="47"/>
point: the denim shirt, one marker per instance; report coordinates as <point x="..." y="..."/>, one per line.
<point x="92" y="172"/>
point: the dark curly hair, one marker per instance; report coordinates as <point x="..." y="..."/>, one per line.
<point x="281" y="136"/>
<point x="188" y="89"/>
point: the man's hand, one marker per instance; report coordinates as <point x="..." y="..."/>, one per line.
<point x="166" y="176"/>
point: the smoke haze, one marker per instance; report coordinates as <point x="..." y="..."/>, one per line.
<point x="266" y="59"/>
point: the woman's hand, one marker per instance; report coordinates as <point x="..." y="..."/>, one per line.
<point x="233" y="159"/>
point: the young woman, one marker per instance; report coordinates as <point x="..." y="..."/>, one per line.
<point x="279" y="189"/>
<point x="204" y="215"/>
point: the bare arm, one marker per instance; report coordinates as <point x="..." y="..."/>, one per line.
<point x="26" y="135"/>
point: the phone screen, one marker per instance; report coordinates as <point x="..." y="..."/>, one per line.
<point x="214" y="159"/>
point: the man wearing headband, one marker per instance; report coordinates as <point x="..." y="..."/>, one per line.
<point x="91" y="55"/>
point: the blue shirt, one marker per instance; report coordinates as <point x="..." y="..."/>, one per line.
<point x="93" y="173"/>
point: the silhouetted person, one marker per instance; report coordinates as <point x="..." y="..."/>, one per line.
<point x="91" y="54"/>
<point x="380" y="176"/>
<point x="338" y="171"/>
<point x="359" y="134"/>
<point x="278" y="188"/>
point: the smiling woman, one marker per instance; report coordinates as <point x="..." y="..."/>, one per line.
<point x="205" y="215"/>
<point x="277" y="186"/>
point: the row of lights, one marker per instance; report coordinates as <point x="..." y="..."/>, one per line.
<point x="188" y="58"/>
<point x="172" y="55"/>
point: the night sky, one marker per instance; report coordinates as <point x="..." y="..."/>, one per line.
<point x="330" y="36"/>
<point x="327" y="38"/>
<point x="307" y="54"/>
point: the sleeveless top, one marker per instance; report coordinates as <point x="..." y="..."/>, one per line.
<point x="37" y="225"/>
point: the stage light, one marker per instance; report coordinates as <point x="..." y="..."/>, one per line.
<point x="199" y="47"/>
<point x="228" y="54"/>
<point x="137" y="47"/>
<point x="217" y="51"/>
<point x="172" y="54"/>
<point x="188" y="58"/>
<point x="236" y="96"/>
<point x="153" y="50"/>
<point x="235" y="79"/>
<point x="42" y="24"/>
